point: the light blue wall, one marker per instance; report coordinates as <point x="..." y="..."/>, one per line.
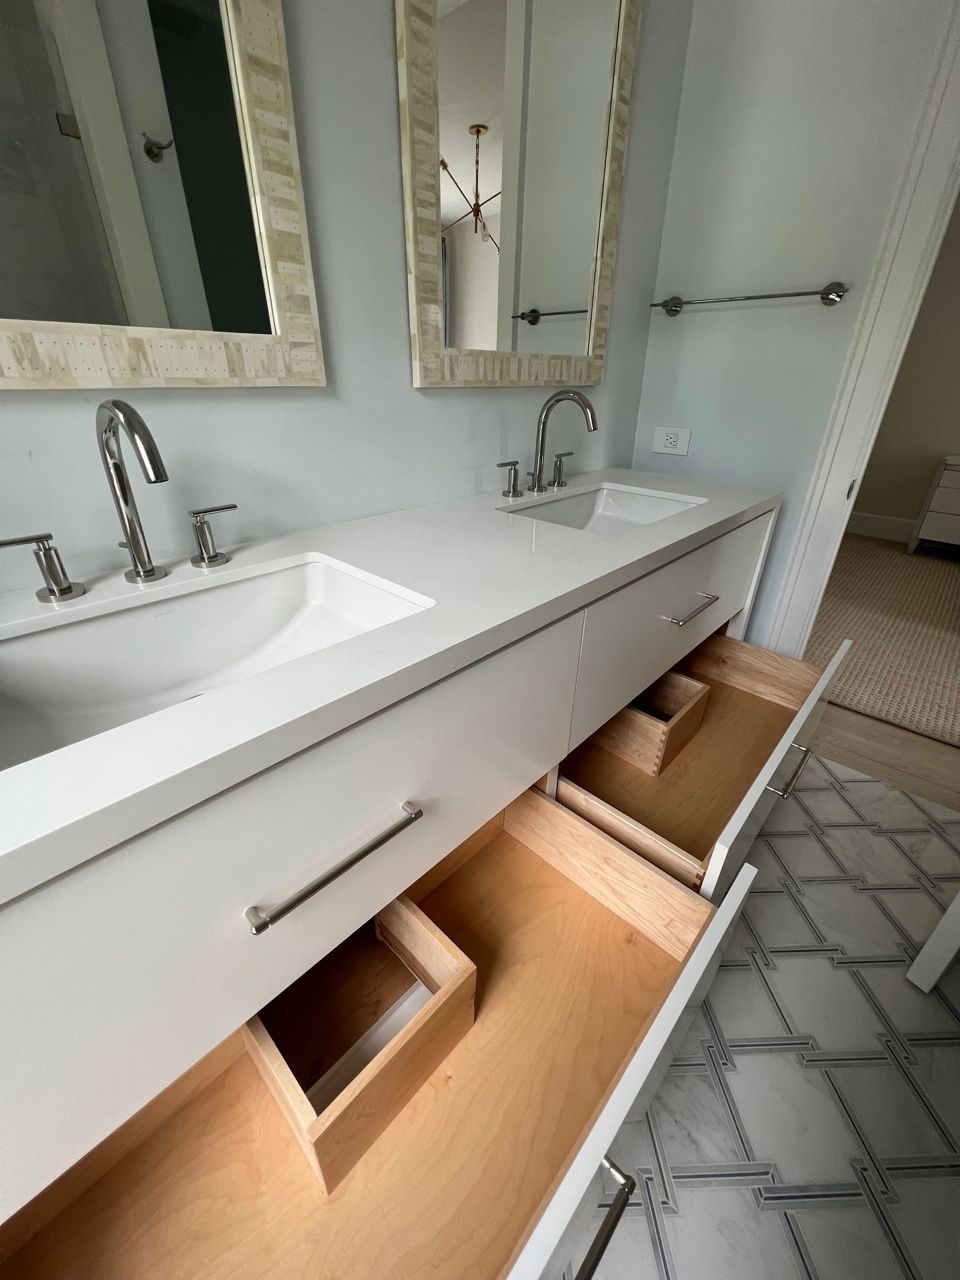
<point x="795" y="124"/>
<point x="369" y="442"/>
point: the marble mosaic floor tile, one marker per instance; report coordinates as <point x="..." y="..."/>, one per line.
<point x="937" y="1071"/>
<point x="723" y="1226"/>
<point x="742" y="1005"/>
<point x="829" y="1006"/>
<point x="692" y="1122"/>
<point x="792" y="1117"/>
<point x="777" y="921"/>
<point x="915" y="911"/>
<point x="907" y="1007"/>
<point x="810" y="1129"/>
<point x="927" y="1218"/>
<point x="804" y="855"/>
<point x="871" y="856"/>
<point x="890" y="1114"/>
<point x="846" y="1240"/>
<point x="882" y="804"/>
<point x="851" y="919"/>
<point x="828" y="808"/>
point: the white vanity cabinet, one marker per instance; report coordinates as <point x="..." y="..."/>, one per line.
<point x="591" y="948"/>
<point x="135" y="965"/>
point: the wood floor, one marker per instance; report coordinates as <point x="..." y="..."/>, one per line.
<point x="885" y="751"/>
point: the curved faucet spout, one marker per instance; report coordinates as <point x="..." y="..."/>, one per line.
<point x="112" y="415"/>
<point x="551" y="402"/>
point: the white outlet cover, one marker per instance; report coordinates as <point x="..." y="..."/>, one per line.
<point x="671" y="440"/>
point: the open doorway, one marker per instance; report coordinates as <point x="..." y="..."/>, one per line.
<point x="895" y="585"/>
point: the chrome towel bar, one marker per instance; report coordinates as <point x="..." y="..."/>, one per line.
<point x="829" y="295"/>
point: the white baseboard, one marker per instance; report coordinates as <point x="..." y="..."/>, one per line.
<point x="893" y="528"/>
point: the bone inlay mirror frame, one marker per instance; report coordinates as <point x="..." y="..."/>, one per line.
<point x="54" y="355"/>
<point x="435" y="365"/>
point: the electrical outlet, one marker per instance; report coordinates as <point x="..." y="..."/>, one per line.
<point x="671" y="440"/>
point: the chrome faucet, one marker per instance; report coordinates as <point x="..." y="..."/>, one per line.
<point x="112" y="415"/>
<point x="567" y="393"/>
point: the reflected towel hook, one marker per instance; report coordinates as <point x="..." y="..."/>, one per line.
<point x="153" y="149"/>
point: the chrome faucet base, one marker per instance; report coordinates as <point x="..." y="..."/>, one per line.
<point x="73" y="592"/>
<point x="557" y="484"/>
<point x="145" y="579"/>
<point x="203" y="562"/>
<point x="531" y="488"/>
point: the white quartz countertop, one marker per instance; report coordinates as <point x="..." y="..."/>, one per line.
<point x="494" y="578"/>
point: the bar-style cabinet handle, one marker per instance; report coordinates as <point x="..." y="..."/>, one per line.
<point x="787" y="792"/>
<point x="598" y="1247"/>
<point x="261" y="918"/>
<point x="708" y="600"/>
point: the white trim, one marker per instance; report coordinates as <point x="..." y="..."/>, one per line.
<point x="892" y="528"/>
<point x="893" y="296"/>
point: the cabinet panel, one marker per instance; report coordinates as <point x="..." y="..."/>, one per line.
<point x="629" y="639"/>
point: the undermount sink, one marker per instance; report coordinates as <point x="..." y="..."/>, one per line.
<point x="608" y="509"/>
<point x="90" y="668"/>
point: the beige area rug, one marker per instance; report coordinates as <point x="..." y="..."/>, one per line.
<point x="903" y="615"/>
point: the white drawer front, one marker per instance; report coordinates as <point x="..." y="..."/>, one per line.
<point x="946" y="499"/>
<point x="950" y="478"/>
<point x="649" y="1063"/>
<point x="120" y="975"/>
<point x="940" y="528"/>
<point x="628" y="640"/>
<point x="780" y="774"/>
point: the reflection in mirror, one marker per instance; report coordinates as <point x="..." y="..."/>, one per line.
<point x="524" y="94"/>
<point x="124" y="193"/>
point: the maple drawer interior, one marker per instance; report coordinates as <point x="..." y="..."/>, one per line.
<point x="676" y="817"/>
<point x="657" y="724"/>
<point x="346" y="1046"/>
<point x="577" y="944"/>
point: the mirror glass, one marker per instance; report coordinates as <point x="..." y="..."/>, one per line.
<point x="524" y="91"/>
<point x="124" y="195"/>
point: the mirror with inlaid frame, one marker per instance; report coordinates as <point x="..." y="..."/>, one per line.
<point x="513" y="122"/>
<point x="151" y="205"/>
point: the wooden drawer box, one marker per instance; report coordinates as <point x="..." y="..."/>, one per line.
<point x="346" y="1047"/>
<point x="697" y="820"/>
<point x="587" y="958"/>
<point x="657" y="724"/>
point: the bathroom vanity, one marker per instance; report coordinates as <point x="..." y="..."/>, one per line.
<point x="355" y="714"/>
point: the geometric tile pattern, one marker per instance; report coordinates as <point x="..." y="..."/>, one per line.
<point x="810" y="1127"/>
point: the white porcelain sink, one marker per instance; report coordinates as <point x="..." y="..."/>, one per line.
<point x="93" y="666"/>
<point x="608" y="509"/>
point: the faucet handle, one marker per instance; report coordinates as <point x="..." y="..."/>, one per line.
<point x="59" y="587"/>
<point x="558" y="481"/>
<point x="513" y="489"/>
<point x="208" y="557"/>
<point x="212" y="511"/>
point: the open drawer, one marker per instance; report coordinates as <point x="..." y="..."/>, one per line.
<point x="586" y="959"/>
<point x="697" y="819"/>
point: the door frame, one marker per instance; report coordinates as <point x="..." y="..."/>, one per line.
<point x="894" y="293"/>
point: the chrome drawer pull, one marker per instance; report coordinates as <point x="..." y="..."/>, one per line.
<point x="787" y="792"/>
<point x="708" y="600"/>
<point x="611" y="1218"/>
<point x="261" y="918"/>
